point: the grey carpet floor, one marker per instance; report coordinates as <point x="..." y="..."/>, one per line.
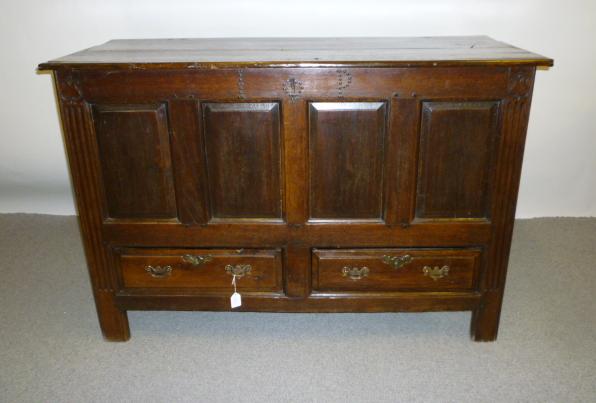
<point x="51" y="349"/>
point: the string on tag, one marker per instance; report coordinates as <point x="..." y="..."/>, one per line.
<point x="235" y="299"/>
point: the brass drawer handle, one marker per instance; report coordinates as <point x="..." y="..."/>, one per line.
<point x="238" y="270"/>
<point x="435" y="272"/>
<point x="397" y="261"/>
<point x="159" y="271"/>
<point x="355" y="273"/>
<point x="197" y="260"/>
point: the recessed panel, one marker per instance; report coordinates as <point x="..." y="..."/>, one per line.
<point x="242" y="148"/>
<point x="134" y="150"/>
<point x="456" y="149"/>
<point x="346" y="160"/>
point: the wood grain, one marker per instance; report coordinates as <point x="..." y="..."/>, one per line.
<point x="134" y="147"/>
<point x="270" y="52"/>
<point x="82" y="150"/>
<point x="190" y="172"/>
<point x="455" y="162"/>
<point x="210" y="276"/>
<point x="306" y="165"/>
<point x="332" y="303"/>
<point x="328" y="268"/>
<point x="346" y="159"/>
<point x="243" y="151"/>
<point x="485" y="319"/>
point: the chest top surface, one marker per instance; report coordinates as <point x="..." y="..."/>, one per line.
<point x="299" y="52"/>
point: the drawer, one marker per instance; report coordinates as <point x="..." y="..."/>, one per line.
<point x="394" y="269"/>
<point x="203" y="269"/>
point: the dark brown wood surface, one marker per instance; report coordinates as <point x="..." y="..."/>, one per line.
<point x="243" y="153"/>
<point x="134" y="150"/>
<point x="296" y="52"/>
<point x="306" y="170"/>
<point x="210" y="276"/>
<point x="410" y="301"/>
<point x="190" y="174"/>
<point x="456" y="150"/>
<point x="328" y="266"/>
<point x="346" y="159"/>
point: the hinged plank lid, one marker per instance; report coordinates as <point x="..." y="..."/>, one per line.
<point x="299" y="52"/>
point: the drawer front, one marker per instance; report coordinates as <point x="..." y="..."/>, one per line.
<point x="204" y="269"/>
<point x="394" y="269"/>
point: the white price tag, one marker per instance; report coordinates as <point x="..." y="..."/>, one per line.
<point x="235" y="300"/>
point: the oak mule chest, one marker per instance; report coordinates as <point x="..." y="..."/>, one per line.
<point x="321" y="175"/>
